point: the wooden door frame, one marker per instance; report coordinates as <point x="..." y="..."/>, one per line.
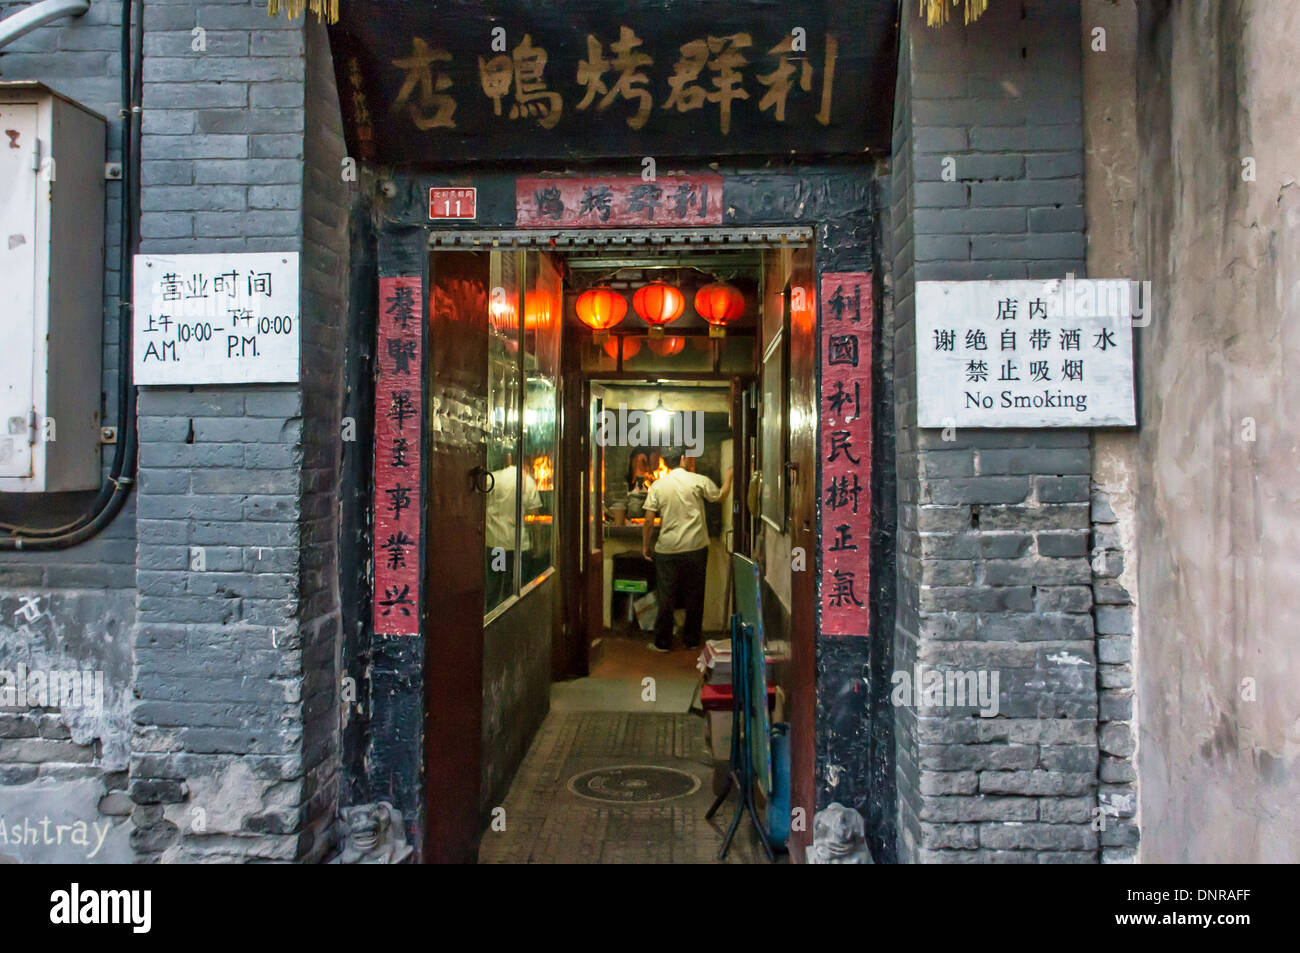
<point x="568" y="659"/>
<point x="571" y="660"/>
<point x="593" y="579"/>
<point x="568" y="650"/>
<point x="454" y="586"/>
<point x="804" y="383"/>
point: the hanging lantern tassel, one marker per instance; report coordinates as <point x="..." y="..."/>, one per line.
<point x="936" y="11"/>
<point x="719" y="304"/>
<point x="294" y="8"/>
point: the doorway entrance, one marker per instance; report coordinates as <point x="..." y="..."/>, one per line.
<point x="547" y="436"/>
<point x="637" y="424"/>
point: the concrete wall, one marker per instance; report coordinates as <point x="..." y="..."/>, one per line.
<point x="71" y="610"/>
<point x="1218" y="446"/>
<point x="993" y="525"/>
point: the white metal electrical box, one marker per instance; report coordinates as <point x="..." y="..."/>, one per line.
<point x="51" y="290"/>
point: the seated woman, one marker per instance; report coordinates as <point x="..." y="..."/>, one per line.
<point x="639" y="472"/>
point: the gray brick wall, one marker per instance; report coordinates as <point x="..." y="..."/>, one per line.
<point x="902" y="220"/>
<point x="325" y="308"/>
<point x="223" y="128"/>
<point x="1113" y="611"/>
<point x="235" y="728"/>
<point x="85" y="594"/>
<point x="993" y="573"/>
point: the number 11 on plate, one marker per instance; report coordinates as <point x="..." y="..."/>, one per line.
<point x="453" y="203"/>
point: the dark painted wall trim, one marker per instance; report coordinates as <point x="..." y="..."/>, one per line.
<point x="395" y="766"/>
<point x="356" y="487"/>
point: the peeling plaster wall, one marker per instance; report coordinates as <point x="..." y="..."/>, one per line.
<point x="67" y="768"/>
<point x="1220" y="553"/>
<point x="86" y="632"/>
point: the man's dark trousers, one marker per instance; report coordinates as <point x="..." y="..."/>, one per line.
<point x="679" y="583"/>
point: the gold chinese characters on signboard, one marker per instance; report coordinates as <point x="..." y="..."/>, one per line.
<point x="712" y="71"/>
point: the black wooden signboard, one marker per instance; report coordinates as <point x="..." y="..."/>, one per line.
<point x="431" y="82"/>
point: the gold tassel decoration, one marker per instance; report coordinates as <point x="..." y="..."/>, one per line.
<point x="294" y="8"/>
<point x="936" y="11"/>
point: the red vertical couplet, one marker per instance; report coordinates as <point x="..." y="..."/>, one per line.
<point x="845" y="447"/>
<point x="398" y="429"/>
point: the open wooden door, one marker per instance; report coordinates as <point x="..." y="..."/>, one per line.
<point x="569" y="652"/>
<point x="803" y="405"/>
<point x="454" y="566"/>
<point x="594" y="530"/>
<point x="744" y="427"/>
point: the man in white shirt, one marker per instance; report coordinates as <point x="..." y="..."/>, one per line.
<point x="681" y="556"/>
<point x="501" y="529"/>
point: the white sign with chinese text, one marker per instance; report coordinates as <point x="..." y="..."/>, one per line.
<point x="216" y="319"/>
<point x="1053" y="353"/>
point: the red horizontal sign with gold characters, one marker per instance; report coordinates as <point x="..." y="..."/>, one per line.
<point x="432" y="84"/>
<point x="676" y="201"/>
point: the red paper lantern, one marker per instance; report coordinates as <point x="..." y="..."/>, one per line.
<point x="600" y="308"/>
<point x="658" y="303"/>
<point x="666" y="347"/>
<point x="719" y="303"/>
<point x="537" y="311"/>
<point x="631" y="346"/>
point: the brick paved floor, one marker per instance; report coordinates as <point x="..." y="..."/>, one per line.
<point x="547" y="823"/>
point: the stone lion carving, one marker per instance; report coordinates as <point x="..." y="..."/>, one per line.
<point x="373" y="834"/>
<point x="839" y="837"/>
